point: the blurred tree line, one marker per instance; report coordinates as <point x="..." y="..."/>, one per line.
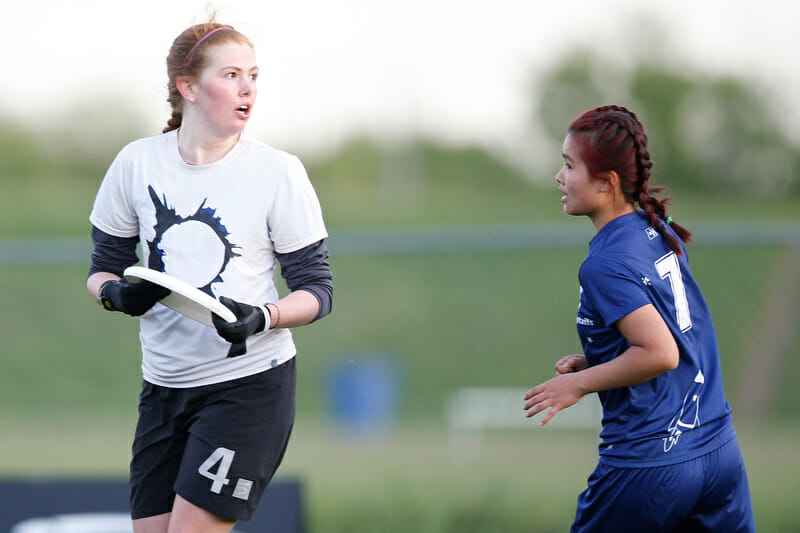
<point x="706" y="134"/>
<point x="78" y="145"/>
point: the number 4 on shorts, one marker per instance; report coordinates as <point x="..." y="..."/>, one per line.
<point x="224" y="457"/>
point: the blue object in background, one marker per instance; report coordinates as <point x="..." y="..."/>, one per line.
<point x="364" y="392"/>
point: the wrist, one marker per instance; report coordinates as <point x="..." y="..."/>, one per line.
<point x="274" y="315"/>
<point x="267" y="317"/>
<point x="104" y="302"/>
<point x="583" y="382"/>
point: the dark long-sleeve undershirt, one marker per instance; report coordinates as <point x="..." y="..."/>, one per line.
<point x="304" y="269"/>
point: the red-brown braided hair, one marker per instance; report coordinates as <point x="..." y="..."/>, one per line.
<point x="612" y="138"/>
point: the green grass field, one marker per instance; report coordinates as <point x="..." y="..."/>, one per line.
<point x="415" y="478"/>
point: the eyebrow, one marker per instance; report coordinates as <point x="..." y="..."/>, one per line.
<point x="240" y="69"/>
<point x="567" y="158"/>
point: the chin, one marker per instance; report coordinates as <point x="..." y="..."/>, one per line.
<point x="574" y="212"/>
<point x="233" y="132"/>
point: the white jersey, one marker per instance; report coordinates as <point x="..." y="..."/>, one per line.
<point x="218" y="228"/>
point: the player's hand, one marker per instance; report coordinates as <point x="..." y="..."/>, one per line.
<point x="571" y="363"/>
<point x="557" y="394"/>
<point x="133" y="299"/>
<point x="249" y="320"/>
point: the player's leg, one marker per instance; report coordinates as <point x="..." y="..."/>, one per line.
<point x="188" y="517"/>
<point x="152" y="524"/>
<point x="157" y="452"/>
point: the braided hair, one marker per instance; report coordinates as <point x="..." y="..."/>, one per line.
<point x="612" y="139"/>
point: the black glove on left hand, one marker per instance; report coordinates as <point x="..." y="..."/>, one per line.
<point x="249" y="320"/>
<point x="133" y="299"/>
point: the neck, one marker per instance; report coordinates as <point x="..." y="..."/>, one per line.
<point x="199" y="147"/>
<point x="601" y="218"/>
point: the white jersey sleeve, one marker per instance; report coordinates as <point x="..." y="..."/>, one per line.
<point x="113" y="212"/>
<point x="295" y="219"/>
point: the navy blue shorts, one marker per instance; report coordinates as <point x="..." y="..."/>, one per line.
<point x="217" y="445"/>
<point x="710" y="493"/>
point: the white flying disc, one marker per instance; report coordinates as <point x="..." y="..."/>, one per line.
<point x="184" y="298"/>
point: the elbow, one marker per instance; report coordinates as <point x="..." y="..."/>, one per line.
<point x="662" y="359"/>
<point x="324" y="296"/>
<point x="671" y="358"/>
<point x="667" y="355"/>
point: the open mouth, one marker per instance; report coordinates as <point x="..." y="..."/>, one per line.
<point x="243" y="110"/>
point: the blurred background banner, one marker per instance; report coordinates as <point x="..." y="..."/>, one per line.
<point x="101" y="506"/>
<point x="432" y="133"/>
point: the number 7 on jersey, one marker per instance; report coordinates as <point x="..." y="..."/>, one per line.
<point x="668" y="267"/>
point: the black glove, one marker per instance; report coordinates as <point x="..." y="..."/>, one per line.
<point x="133" y="299"/>
<point x="249" y="320"/>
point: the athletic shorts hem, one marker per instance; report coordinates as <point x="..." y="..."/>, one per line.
<point x="147" y="513"/>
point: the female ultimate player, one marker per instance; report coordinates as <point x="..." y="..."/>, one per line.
<point x="669" y="459"/>
<point x="217" y="209"/>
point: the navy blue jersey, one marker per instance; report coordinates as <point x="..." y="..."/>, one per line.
<point x="680" y="414"/>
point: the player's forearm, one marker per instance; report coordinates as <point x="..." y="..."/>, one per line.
<point x="635" y="365"/>
<point x="96" y="280"/>
<point x="298" y="308"/>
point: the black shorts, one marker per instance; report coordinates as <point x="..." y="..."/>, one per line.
<point x="217" y="446"/>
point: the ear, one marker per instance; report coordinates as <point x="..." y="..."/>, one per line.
<point x="609" y="180"/>
<point x="185" y="86"/>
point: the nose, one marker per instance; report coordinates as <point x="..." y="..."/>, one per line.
<point x="247" y="86"/>
<point x="560" y="176"/>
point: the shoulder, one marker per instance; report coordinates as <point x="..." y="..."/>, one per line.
<point x="609" y="269"/>
<point x="624" y="241"/>
<point x="285" y="169"/>
<point x="622" y="233"/>
<point x="600" y="265"/>
<point x="145" y="145"/>
<point x="254" y="149"/>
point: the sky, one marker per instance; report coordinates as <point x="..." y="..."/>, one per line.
<point x="462" y="71"/>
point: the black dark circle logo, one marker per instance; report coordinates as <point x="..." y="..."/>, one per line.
<point x="194" y="249"/>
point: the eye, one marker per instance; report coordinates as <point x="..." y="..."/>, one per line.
<point x="253" y="77"/>
<point x="230" y="75"/>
